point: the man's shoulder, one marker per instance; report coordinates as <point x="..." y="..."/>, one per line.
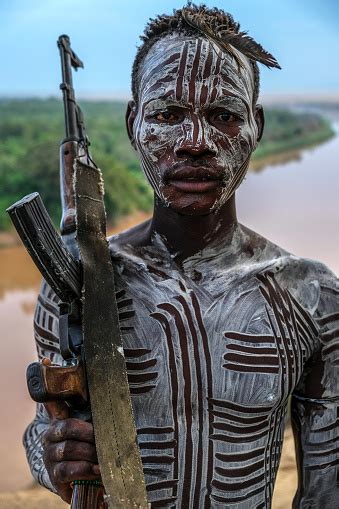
<point x="133" y="237"/>
<point x="291" y="265"/>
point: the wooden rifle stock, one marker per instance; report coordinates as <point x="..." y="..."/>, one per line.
<point x="54" y="386"/>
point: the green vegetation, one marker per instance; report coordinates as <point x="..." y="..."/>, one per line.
<point x="31" y="129"/>
<point x="287" y="131"/>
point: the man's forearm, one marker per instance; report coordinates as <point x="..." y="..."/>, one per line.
<point x="32" y="441"/>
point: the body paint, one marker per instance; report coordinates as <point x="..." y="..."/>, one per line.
<point x="194" y="75"/>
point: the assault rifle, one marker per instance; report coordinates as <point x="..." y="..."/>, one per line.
<point x="93" y="365"/>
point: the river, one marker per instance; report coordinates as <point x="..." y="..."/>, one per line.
<point x="295" y="204"/>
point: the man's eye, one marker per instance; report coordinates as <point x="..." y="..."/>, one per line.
<point x="225" y="116"/>
<point x="164" y="116"/>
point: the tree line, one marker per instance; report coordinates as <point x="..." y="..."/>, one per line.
<point x="31" y="129"/>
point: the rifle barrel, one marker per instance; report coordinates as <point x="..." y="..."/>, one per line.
<point x="68" y="60"/>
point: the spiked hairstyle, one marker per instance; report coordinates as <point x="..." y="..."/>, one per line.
<point x="214" y="24"/>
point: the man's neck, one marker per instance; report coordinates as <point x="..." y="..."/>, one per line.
<point x="186" y="235"/>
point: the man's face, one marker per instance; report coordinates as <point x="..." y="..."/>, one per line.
<point x="195" y="127"/>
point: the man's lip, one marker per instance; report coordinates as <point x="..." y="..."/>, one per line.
<point x="194" y="185"/>
<point x="197" y="173"/>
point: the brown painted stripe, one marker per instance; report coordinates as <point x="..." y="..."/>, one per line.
<point x="186" y="488"/>
<point x="223" y="426"/>
<point x="238" y="439"/>
<point x="194" y="72"/>
<point x="332" y="317"/>
<point x="237" y="418"/>
<point x="216" y="79"/>
<point x="209" y="390"/>
<point x="199" y="398"/>
<point x="315" y="454"/>
<point x="325" y="442"/>
<point x="160" y="67"/>
<point x="253" y="338"/>
<point x="330" y="349"/>
<point x="234" y="500"/>
<point x="155" y="430"/>
<point x="328" y="336"/>
<point x="240" y="408"/>
<point x="141" y="365"/>
<point x="241" y="471"/>
<point x="252" y="360"/>
<point x="240" y="456"/>
<point x="50" y="307"/>
<point x="164" y="444"/>
<point x="323" y="465"/>
<point x="235" y="486"/>
<point x="162" y="319"/>
<point x="141" y="390"/>
<point x="161" y="485"/>
<point x="253" y="349"/>
<point x="125" y="315"/>
<point x="136" y="378"/>
<point x="120" y="293"/>
<point x="307" y="317"/>
<point x="251" y="369"/>
<point x="124" y="303"/>
<point x="46" y="334"/>
<point x="334" y="425"/>
<point x="181" y="72"/>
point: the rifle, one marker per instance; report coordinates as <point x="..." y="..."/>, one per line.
<point x="94" y="364"/>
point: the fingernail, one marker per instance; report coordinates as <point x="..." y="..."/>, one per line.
<point x="96" y="469"/>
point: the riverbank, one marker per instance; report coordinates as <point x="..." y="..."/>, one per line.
<point x="272" y="154"/>
<point x="322" y="133"/>
<point x="30" y="128"/>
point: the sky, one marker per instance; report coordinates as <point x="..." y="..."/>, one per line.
<point x="302" y="34"/>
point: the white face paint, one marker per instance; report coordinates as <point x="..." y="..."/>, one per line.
<point x="195" y="104"/>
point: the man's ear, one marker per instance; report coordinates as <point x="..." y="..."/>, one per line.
<point x="129" y="118"/>
<point x="260" y="120"/>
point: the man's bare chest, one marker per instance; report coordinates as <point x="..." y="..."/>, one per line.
<point x="243" y="339"/>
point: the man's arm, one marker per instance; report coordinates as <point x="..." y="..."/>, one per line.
<point x="46" y="333"/>
<point x="58" y="452"/>
<point x="315" y="409"/>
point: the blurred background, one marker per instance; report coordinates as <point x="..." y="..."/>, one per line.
<point x="290" y="194"/>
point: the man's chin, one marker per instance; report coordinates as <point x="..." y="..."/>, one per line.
<point x="194" y="205"/>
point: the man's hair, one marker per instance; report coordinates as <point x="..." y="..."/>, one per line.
<point x="214" y="24"/>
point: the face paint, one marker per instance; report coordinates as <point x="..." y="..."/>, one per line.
<point x="195" y="128"/>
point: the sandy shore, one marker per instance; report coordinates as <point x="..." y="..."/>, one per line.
<point x="39" y="498"/>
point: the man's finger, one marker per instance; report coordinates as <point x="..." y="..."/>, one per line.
<point x="68" y="471"/>
<point x="71" y="450"/>
<point x="70" y="429"/>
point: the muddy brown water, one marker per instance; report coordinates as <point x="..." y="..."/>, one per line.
<point x="295" y="204"/>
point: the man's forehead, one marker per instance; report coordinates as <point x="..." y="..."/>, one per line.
<point x="176" y="61"/>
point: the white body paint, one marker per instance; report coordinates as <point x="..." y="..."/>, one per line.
<point x="165" y="85"/>
<point x="213" y="352"/>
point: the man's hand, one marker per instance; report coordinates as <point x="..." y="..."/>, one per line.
<point x="69" y="454"/>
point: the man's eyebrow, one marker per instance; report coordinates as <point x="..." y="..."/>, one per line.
<point x="228" y="100"/>
<point x="169" y="100"/>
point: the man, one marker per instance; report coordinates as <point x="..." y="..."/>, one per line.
<point x="220" y="326"/>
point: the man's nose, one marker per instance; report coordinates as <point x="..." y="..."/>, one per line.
<point x="195" y="141"/>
